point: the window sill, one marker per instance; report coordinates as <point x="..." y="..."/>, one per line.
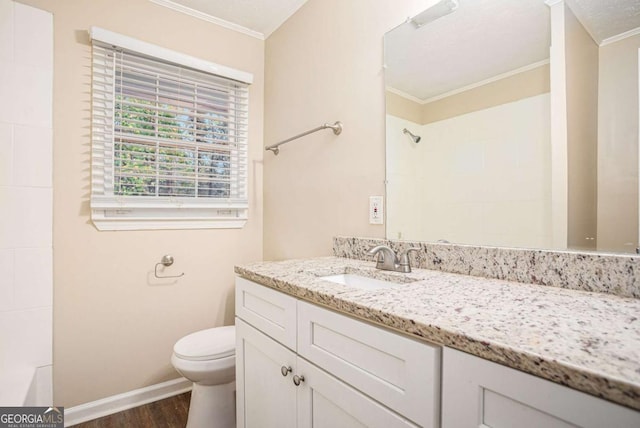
<point x="158" y="219"/>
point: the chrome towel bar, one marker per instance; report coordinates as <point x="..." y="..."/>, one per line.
<point x="336" y="127"/>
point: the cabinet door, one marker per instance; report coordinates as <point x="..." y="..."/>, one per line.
<point x="326" y="402"/>
<point x="480" y="393"/>
<point x="264" y="397"/>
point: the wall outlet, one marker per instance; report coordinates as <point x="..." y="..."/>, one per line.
<point x="376" y="210"/>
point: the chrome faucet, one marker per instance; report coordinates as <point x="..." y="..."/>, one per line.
<point x="388" y="260"/>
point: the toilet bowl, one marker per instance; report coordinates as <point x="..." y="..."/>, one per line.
<point x="207" y="358"/>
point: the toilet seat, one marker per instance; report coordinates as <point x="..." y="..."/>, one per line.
<point x="211" y="344"/>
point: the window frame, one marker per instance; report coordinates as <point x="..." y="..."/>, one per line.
<point x="110" y="211"/>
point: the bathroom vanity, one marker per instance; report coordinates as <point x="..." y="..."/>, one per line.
<point x="432" y="349"/>
<point x="332" y="368"/>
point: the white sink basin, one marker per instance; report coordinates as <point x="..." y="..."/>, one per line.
<point x="358" y="281"/>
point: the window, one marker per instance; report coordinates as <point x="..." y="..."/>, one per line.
<point x="169" y="140"/>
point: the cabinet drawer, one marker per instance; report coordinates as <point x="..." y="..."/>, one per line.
<point x="269" y="311"/>
<point x="401" y="373"/>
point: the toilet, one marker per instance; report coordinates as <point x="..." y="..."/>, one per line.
<point x="207" y="358"/>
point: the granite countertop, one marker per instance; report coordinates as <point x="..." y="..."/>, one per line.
<point x="585" y="340"/>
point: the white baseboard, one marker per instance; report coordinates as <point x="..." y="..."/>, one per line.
<point x="128" y="400"/>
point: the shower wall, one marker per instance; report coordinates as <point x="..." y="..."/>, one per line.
<point x="478" y="178"/>
<point x="26" y="74"/>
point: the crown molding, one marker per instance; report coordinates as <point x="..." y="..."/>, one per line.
<point x="468" y="87"/>
<point x="620" y="36"/>
<point x="403" y="94"/>
<point x="210" y="18"/>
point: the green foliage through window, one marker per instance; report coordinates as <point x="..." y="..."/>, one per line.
<point x="171" y="138"/>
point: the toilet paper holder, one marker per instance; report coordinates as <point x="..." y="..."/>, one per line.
<point x="167" y="260"/>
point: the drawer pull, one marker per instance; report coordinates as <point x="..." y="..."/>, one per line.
<point x="298" y="380"/>
<point x="285" y="370"/>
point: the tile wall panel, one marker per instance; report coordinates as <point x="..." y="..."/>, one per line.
<point x="26" y="193"/>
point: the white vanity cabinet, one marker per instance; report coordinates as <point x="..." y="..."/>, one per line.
<point x="480" y="393"/>
<point x="343" y="372"/>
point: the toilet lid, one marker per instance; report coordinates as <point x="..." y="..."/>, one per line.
<point x="210" y="344"/>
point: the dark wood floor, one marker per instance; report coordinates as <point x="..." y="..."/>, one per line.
<point x="168" y="413"/>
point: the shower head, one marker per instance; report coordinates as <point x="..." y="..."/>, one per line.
<point x="416" y="138"/>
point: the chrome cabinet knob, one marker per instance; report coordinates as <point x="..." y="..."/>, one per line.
<point x="297" y="380"/>
<point x="285" y="370"/>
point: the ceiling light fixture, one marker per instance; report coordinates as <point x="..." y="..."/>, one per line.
<point x="438" y="10"/>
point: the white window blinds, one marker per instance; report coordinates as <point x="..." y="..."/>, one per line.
<point x="169" y="143"/>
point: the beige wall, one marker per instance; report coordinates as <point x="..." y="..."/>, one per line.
<point x="509" y="89"/>
<point x="513" y="88"/>
<point x="581" y="56"/>
<point x="114" y="325"/>
<point x="402" y="107"/>
<point x="618" y="146"/>
<point x="325" y="64"/>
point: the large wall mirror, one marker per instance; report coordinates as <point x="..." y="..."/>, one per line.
<point x="495" y="137"/>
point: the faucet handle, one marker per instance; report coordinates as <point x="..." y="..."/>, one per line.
<point x="404" y="259"/>
<point x="406" y="252"/>
<point x="386" y="259"/>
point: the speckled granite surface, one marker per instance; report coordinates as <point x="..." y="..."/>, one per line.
<point x="587" y="341"/>
<point x="617" y="274"/>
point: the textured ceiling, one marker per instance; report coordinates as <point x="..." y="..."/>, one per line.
<point x="487" y="38"/>
<point x="481" y="39"/>
<point x="261" y="16"/>
<point x="603" y="18"/>
<point x="607" y="18"/>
